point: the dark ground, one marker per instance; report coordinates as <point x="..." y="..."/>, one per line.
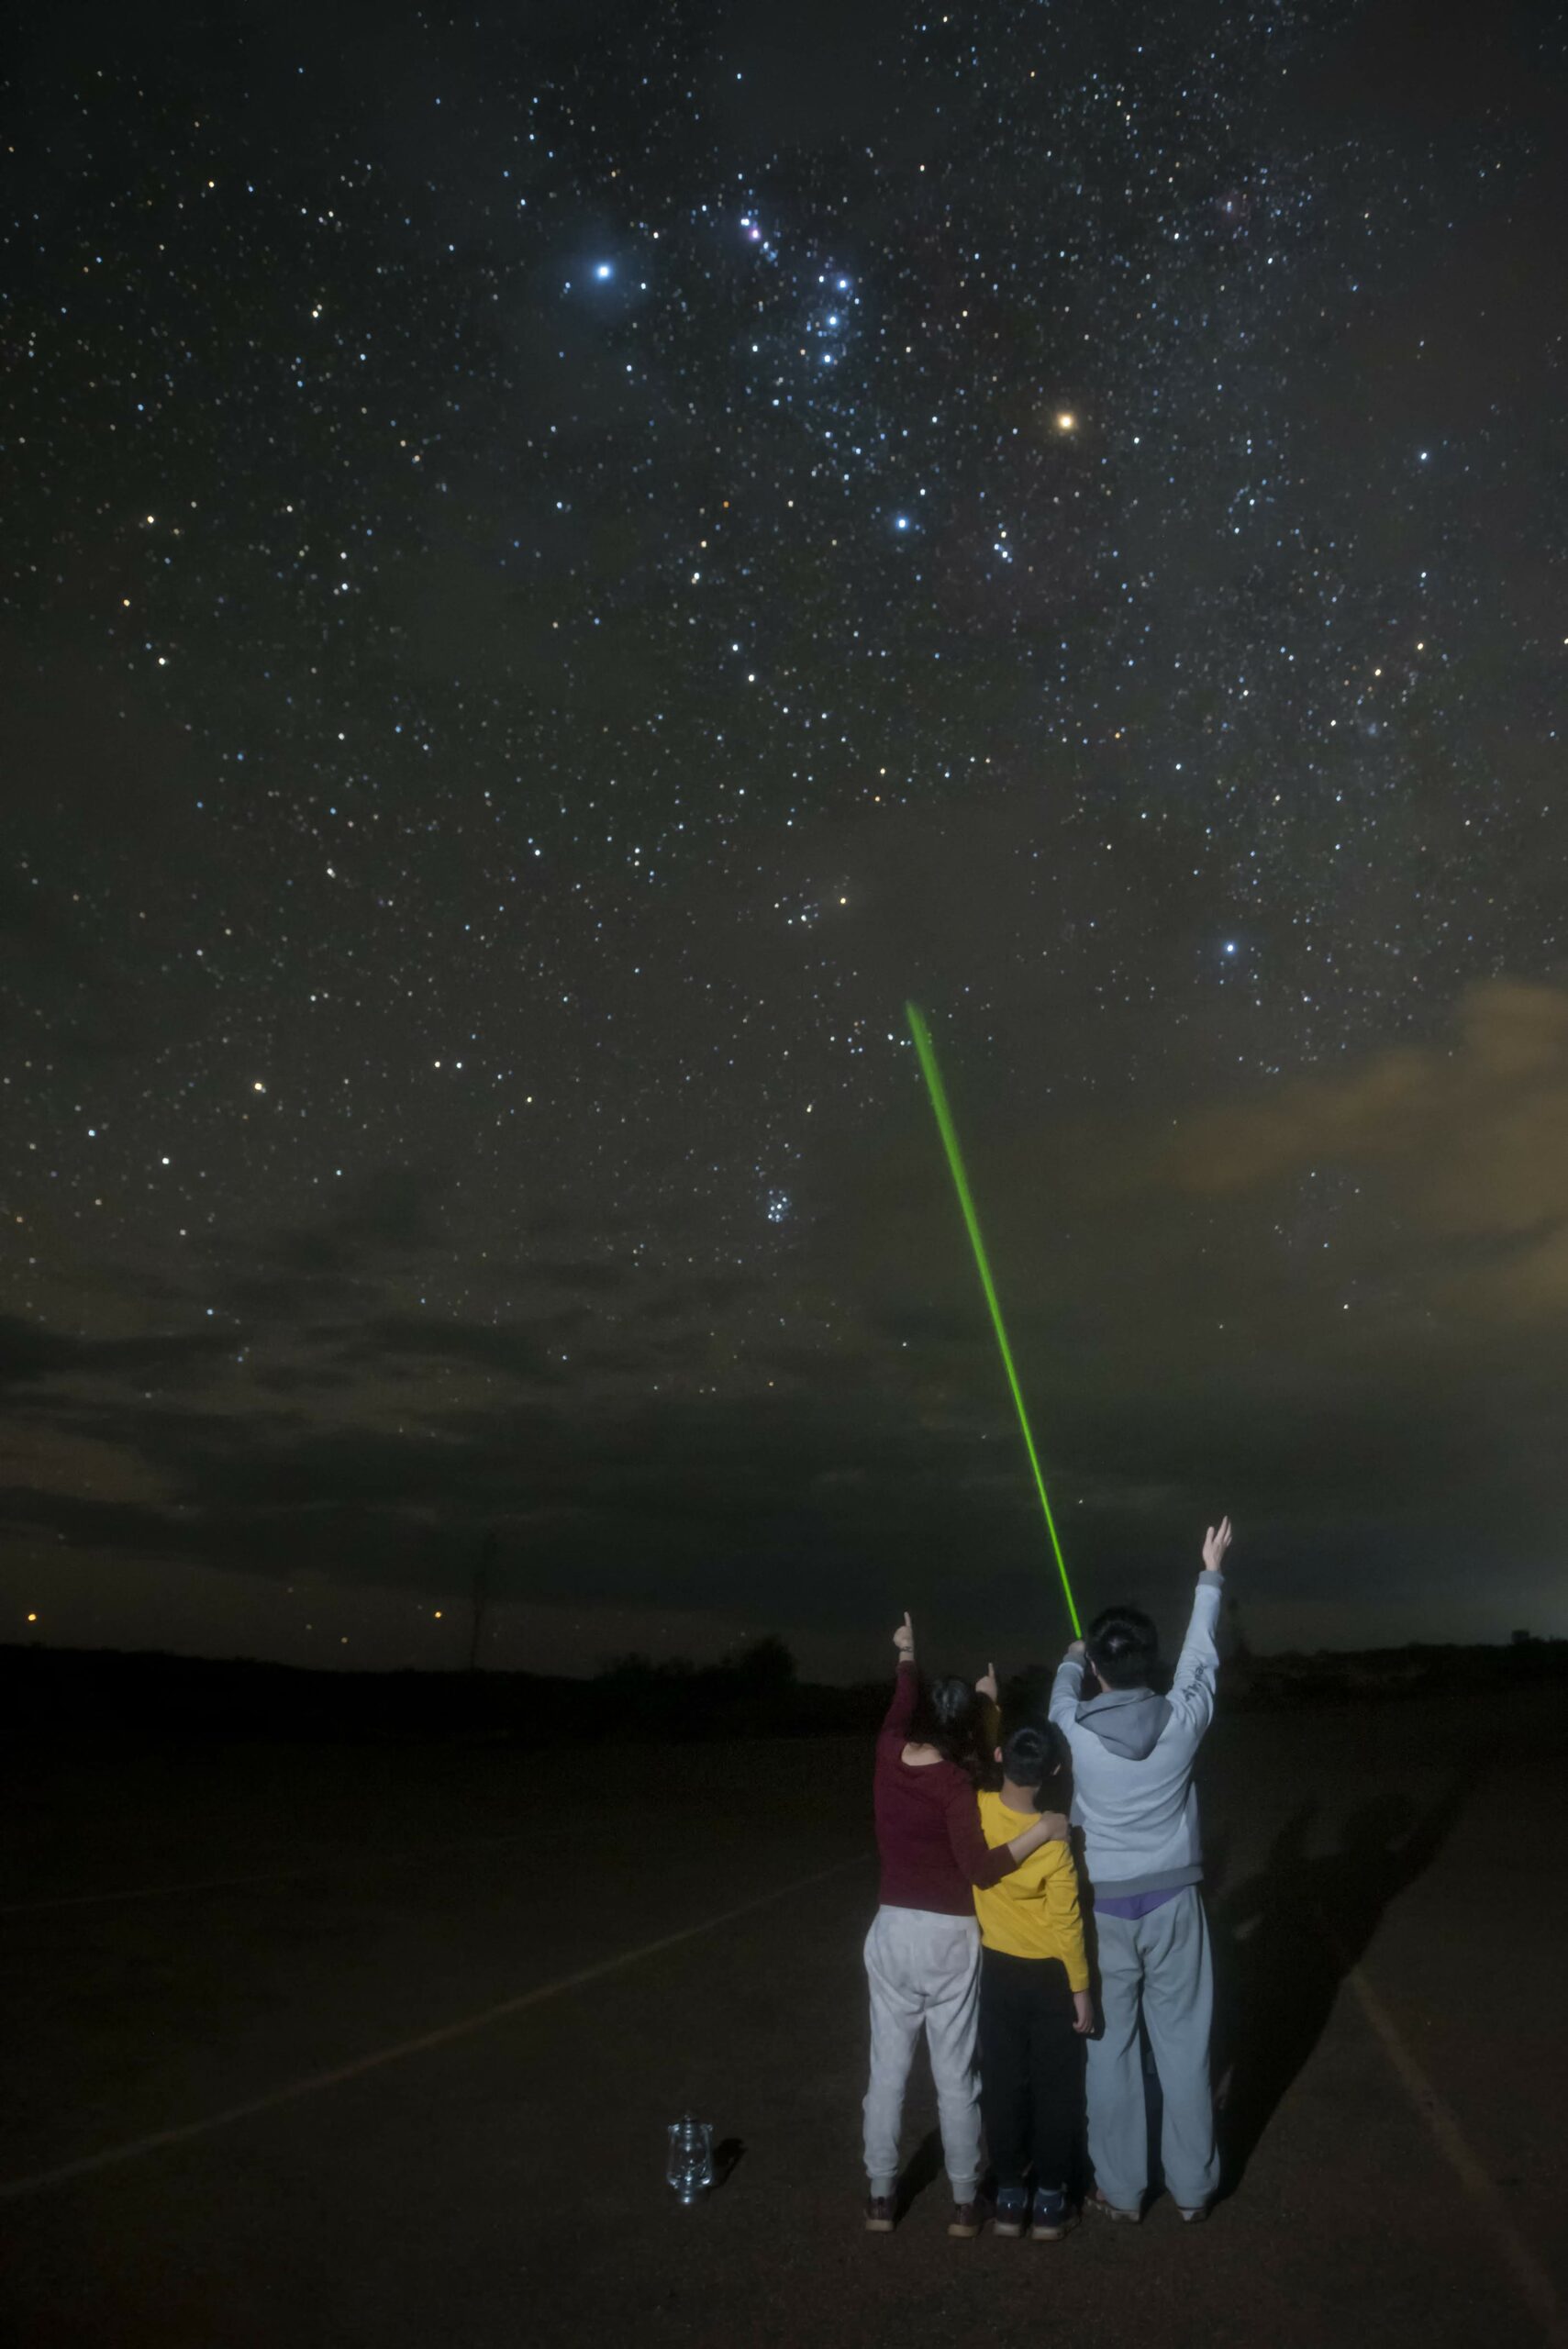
<point x="505" y="2186"/>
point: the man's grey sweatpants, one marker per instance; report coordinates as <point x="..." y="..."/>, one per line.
<point x="1162" y="1962"/>
<point x="924" y="1972"/>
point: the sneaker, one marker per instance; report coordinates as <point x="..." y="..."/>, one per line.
<point x="1193" y="2214"/>
<point x="879" y="2214"/>
<point x="964" y="2223"/>
<point x="1053" y="2215"/>
<point x="1114" y="2209"/>
<point x="1012" y="2210"/>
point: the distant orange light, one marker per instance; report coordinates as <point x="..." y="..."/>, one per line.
<point x="32" y="1619"/>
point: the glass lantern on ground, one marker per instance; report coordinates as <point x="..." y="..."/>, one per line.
<point x="688" y="2165"/>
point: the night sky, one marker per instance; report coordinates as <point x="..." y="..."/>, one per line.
<point x="559" y="563"/>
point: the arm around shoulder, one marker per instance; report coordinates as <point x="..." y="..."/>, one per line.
<point x="986" y="1863"/>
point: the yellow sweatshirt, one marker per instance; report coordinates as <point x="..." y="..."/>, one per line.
<point x="1034" y="1912"/>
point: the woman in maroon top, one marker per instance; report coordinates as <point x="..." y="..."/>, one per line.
<point x="923" y="1950"/>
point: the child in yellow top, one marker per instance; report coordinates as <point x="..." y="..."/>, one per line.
<point x="1034" y="1995"/>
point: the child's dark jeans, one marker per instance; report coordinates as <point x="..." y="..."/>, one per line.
<point x="1032" y="2067"/>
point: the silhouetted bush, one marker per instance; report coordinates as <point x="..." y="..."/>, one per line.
<point x="109" y="1693"/>
<point x="82" y="1693"/>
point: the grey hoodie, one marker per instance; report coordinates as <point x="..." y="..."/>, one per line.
<point x="1132" y="1763"/>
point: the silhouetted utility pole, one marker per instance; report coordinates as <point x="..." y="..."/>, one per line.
<point x="481" y="1598"/>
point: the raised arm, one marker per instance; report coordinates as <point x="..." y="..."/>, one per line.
<point x="906" y="1682"/>
<point x="1197" y="1666"/>
<point x="990" y="1710"/>
<point x="1067" y="1688"/>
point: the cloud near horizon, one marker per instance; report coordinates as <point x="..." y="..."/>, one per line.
<point x="1469" y="1140"/>
<point x="1330" y="1305"/>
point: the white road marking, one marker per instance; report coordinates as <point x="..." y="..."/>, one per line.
<point x="1536" y="2286"/>
<point x="113" y="2156"/>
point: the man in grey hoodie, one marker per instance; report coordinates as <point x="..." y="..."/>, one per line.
<point x="1133" y="1752"/>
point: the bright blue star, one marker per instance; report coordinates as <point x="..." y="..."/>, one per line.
<point x="603" y="269"/>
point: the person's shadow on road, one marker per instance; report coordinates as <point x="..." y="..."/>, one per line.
<point x="923" y="2168"/>
<point x="1285" y="1941"/>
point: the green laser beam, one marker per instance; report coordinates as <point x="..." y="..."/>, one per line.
<point x="945" y="1127"/>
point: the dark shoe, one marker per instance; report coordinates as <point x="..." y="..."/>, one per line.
<point x="1113" y="2210"/>
<point x="1012" y="2211"/>
<point x="1053" y="2216"/>
<point x="965" y="2221"/>
<point x="880" y="2219"/>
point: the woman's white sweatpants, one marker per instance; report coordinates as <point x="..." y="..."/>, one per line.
<point x="924" y="1971"/>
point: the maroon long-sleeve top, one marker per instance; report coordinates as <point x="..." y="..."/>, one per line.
<point x="927" y="1822"/>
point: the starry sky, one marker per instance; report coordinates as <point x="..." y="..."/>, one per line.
<point x="560" y="562"/>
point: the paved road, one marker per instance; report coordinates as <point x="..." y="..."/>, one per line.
<point x="190" y="1936"/>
